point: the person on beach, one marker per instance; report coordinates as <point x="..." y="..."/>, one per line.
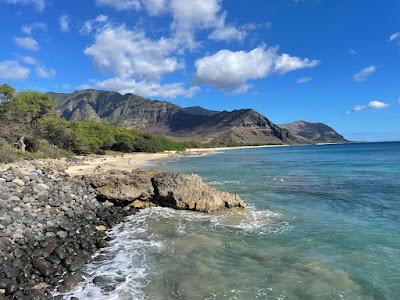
<point x="130" y="162"/>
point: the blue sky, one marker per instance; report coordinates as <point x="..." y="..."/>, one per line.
<point x="336" y="62"/>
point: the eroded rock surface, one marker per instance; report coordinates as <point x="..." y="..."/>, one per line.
<point x="122" y="186"/>
<point x="167" y="189"/>
<point x="182" y="191"/>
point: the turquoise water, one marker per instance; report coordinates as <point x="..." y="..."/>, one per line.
<point x="323" y="223"/>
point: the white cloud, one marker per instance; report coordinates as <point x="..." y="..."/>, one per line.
<point x="194" y="15"/>
<point x="359" y="108"/>
<point x="64" y="22"/>
<point x="364" y="73"/>
<point x="227" y="33"/>
<point x="188" y="17"/>
<point x="44" y="72"/>
<point x="29" y="60"/>
<point x="12" y="70"/>
<point x="375" y="105"/>
<point x="28" y="29"/>
<point x="136" y="62"/>
<point x="120" y="4"/>
<point x="231" y="71"/>
<point x="130" y="54"/>
<point x="39" y="5"/>
<point x="286" y="63"/>
<point x="395" y="36"/>
<point x="156" y="7"/>
<point x="352" y="52"/>
<point x="147" y="88"/>
<point x="304" y="79"/>
<point x="90" y="25"/>
<point x="27" y="43"/>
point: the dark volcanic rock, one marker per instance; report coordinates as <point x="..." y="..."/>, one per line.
<point x="51" y="224"/>
<point x="48" y="230"/>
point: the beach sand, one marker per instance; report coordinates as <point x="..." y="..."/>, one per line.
<point x="130" y="161"/>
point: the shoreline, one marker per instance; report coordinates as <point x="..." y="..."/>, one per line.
<point x="93" y="164"/>
<point x="54" y="214"/>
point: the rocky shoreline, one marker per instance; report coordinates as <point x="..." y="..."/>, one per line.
<point x="51" y="224"/>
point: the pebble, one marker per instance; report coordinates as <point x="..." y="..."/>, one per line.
<point x="50" y="225"/>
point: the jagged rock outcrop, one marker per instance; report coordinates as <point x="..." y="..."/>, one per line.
<point x="122" y="187"/>
<point x="181" y="191"/>
<point x="166" y="189"/>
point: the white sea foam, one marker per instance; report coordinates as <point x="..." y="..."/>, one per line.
<point x="126" y="257"/>
<point x="134" y="243"/>
<point x="223" y="182"/>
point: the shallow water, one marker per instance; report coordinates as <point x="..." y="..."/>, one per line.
<point x="323" y="223"/>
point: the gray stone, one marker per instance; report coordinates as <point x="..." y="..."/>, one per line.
<point x="62" y="234"/>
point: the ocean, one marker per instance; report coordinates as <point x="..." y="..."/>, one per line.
<point x="323" y="223"/>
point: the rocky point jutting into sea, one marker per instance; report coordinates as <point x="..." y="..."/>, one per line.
<point x="52" y="223"/>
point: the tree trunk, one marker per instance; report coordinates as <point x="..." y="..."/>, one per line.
<point x="21" y="143"/>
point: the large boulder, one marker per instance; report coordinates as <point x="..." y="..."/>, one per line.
<point x="119" y="186"/>
<point x="181" y="191"/>
<point x="141" y="189"/>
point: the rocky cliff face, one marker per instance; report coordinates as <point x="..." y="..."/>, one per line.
<point x="314" y="132"/>
<point x="243" y="126"/>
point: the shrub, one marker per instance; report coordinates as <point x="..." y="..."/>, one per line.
<point x="58" y="132"/>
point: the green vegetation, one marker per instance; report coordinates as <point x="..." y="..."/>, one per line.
<point x="30" y="128"/>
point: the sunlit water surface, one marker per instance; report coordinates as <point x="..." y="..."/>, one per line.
<point x="323" y="223"/>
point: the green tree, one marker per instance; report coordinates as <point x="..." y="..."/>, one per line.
<point x="30" y="107"/>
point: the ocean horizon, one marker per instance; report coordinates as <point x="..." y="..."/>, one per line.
<point x="322" y="223"/>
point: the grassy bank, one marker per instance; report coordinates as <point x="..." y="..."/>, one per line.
<point x="30" y="128"/>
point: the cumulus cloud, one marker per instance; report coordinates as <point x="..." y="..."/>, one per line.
<point x="147" y="88"/>
<point x="128" y="53"/>
<point x="27" y="43"/>
<point x="286" y="63"/>
<point x="45" y="72"/>
<point x="394" y="37"/>
<point x="156" y="7"/>
<point x="375" y="105"/>
<point x="64" y="22"/>
<point x="231" y="70"/>
<point x="12" y="70"/>
<point x="28" y="29"/>
<point x="136" y="61"/>
<point x="364" y="73"/>
<point x="39" y="5"/>
<point x="120" y="4"/>
<point x="90" y="25"/>
<point x="29" y="60"/>
<point x="304" y="79"/>
<point x="227" y="33"/>
<point x="188" y="17"/>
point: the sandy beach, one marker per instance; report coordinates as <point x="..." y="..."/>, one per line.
<point x="131" y="161"/>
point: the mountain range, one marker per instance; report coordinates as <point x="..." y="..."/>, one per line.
<point x="237" y="127"/>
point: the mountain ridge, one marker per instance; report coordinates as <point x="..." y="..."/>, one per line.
<point x="242" y="126"/>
